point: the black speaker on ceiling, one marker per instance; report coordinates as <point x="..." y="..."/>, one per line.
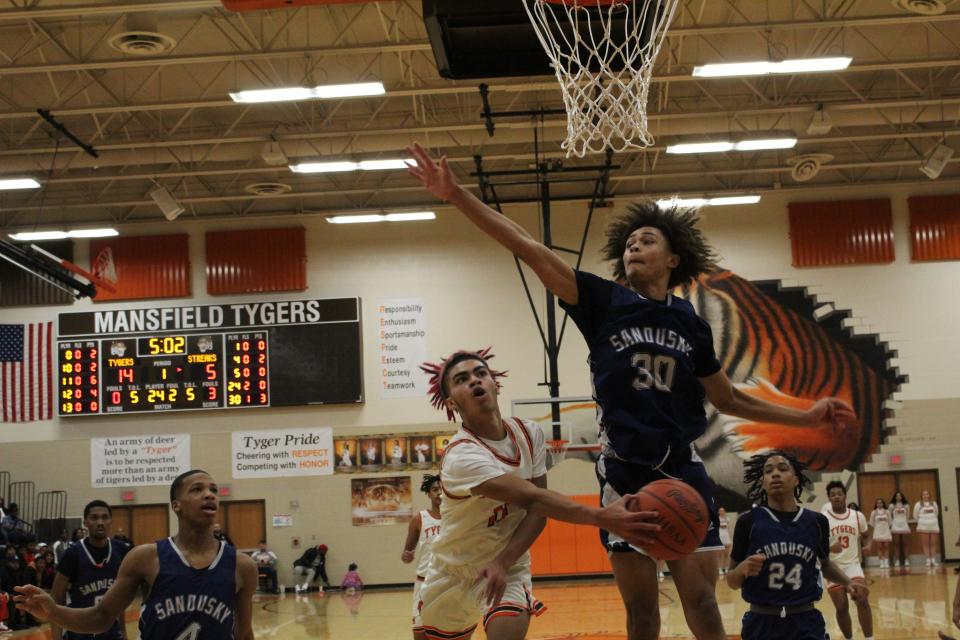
<point x="483" y="39"/>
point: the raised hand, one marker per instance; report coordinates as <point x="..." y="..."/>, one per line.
<point x="436" y="178"/>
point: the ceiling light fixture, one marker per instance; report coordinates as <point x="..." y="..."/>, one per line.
<point x="33" y="236"/>
<point x="745" y="145"/>
<point x="386" y="217"/>
<point x="763" y="67"/>
<point x="346" y="166"/>
<point x="669" y="203"/>
<point x="323" y="92"/>
<point x="18" y="183"/>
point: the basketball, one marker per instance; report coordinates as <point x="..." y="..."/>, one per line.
<point x="683" y="520"/>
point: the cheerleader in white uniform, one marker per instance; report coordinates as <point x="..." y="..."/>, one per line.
<point x="880" y="524"/>
<point x="724" y="540"/>
<point x="899" y="527"/>
<point x="927" y="513"/>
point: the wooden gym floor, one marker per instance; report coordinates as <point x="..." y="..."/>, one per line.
<point x="906" y="606"/>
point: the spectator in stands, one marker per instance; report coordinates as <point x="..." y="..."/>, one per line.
<point x="5" y="604"/>
<point x="8" y="574"/>
<point x="267" y="565"/>
<point x="29" y="552"/>
<point x="45" y="573"/>
<point x="60" y="546"/>
<point x="16" y="574"/>
<point x="311" y="564"/>
<point x="16" y="530"/>
<point x="51" y="565"/>
<point x="120" y="536"/>
<point x="78" y="534"/>
<point x="220" y="535"/>
<point x="351" y="582"/>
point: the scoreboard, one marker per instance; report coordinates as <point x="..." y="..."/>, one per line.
<point x="268" y="355"/>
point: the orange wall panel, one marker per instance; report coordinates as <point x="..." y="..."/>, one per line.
<point x="568" y="549"/>
<point x="841" y="232"/>
<point x="934" y="227"/>
<point x="540" y="564"/>
<point x="256" y="261"/>
<point x="144" y="266"/>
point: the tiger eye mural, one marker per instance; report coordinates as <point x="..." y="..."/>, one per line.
<point x="772" y="345"/>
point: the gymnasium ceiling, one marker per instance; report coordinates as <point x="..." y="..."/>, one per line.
<point x="167" y="118"/>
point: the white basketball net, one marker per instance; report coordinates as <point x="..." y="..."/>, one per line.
<point x="605" y="80"/>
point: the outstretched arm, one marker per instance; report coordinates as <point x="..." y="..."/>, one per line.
<point x="100" y="617"/>
<point x="732" y="401"/>
<point x="555" y="274"/>
<point x="636" y="527"/>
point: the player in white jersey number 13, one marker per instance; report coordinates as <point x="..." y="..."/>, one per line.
<point x="847" y="529"/>
<point x="494" y="505"/>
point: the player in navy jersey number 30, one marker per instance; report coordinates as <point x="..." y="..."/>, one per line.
<point x="779" y="550"/>
<point x="199" y="588"/>
<point x="652" y="364"/>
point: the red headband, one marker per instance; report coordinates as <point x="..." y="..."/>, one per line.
<point x="437" y="371"/>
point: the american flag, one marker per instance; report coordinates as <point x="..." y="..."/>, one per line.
<point x="26" y="370"/>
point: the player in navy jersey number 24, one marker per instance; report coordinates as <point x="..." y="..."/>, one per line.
<point x="199" y="588"/>
<point x="87" y="570"/>
<point x="779" y="550"/>
<point x="652" y="364"/>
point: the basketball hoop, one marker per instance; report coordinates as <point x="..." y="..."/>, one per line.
<point x="557" y="450"/>
<point x="603" y="53"/>
<point x="104" y="267"/>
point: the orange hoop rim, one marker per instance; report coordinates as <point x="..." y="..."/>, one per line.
<point x="557" y="445"/>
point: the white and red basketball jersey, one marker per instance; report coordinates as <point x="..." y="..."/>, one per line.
<point x="475" y="529"/>
<point x="847" y="528"/>
<point x="429" y="530"/>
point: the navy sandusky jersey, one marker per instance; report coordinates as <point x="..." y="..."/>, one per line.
<point x="791" y="572"/>
<point x="645" y="360"/>
<point x="187" y="603"/>
<point x="91" y="571"/>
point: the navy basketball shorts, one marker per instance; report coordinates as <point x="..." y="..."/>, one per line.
<point x="808" y="625"/>
<point x="619" y="478"/>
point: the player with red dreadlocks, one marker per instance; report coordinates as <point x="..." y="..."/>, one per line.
<point x="494" y="505"/>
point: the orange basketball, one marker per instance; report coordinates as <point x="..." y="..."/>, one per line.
<point x="683" y="520"/>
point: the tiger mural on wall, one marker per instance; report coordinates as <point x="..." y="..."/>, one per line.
<point x="772" y="345"/>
